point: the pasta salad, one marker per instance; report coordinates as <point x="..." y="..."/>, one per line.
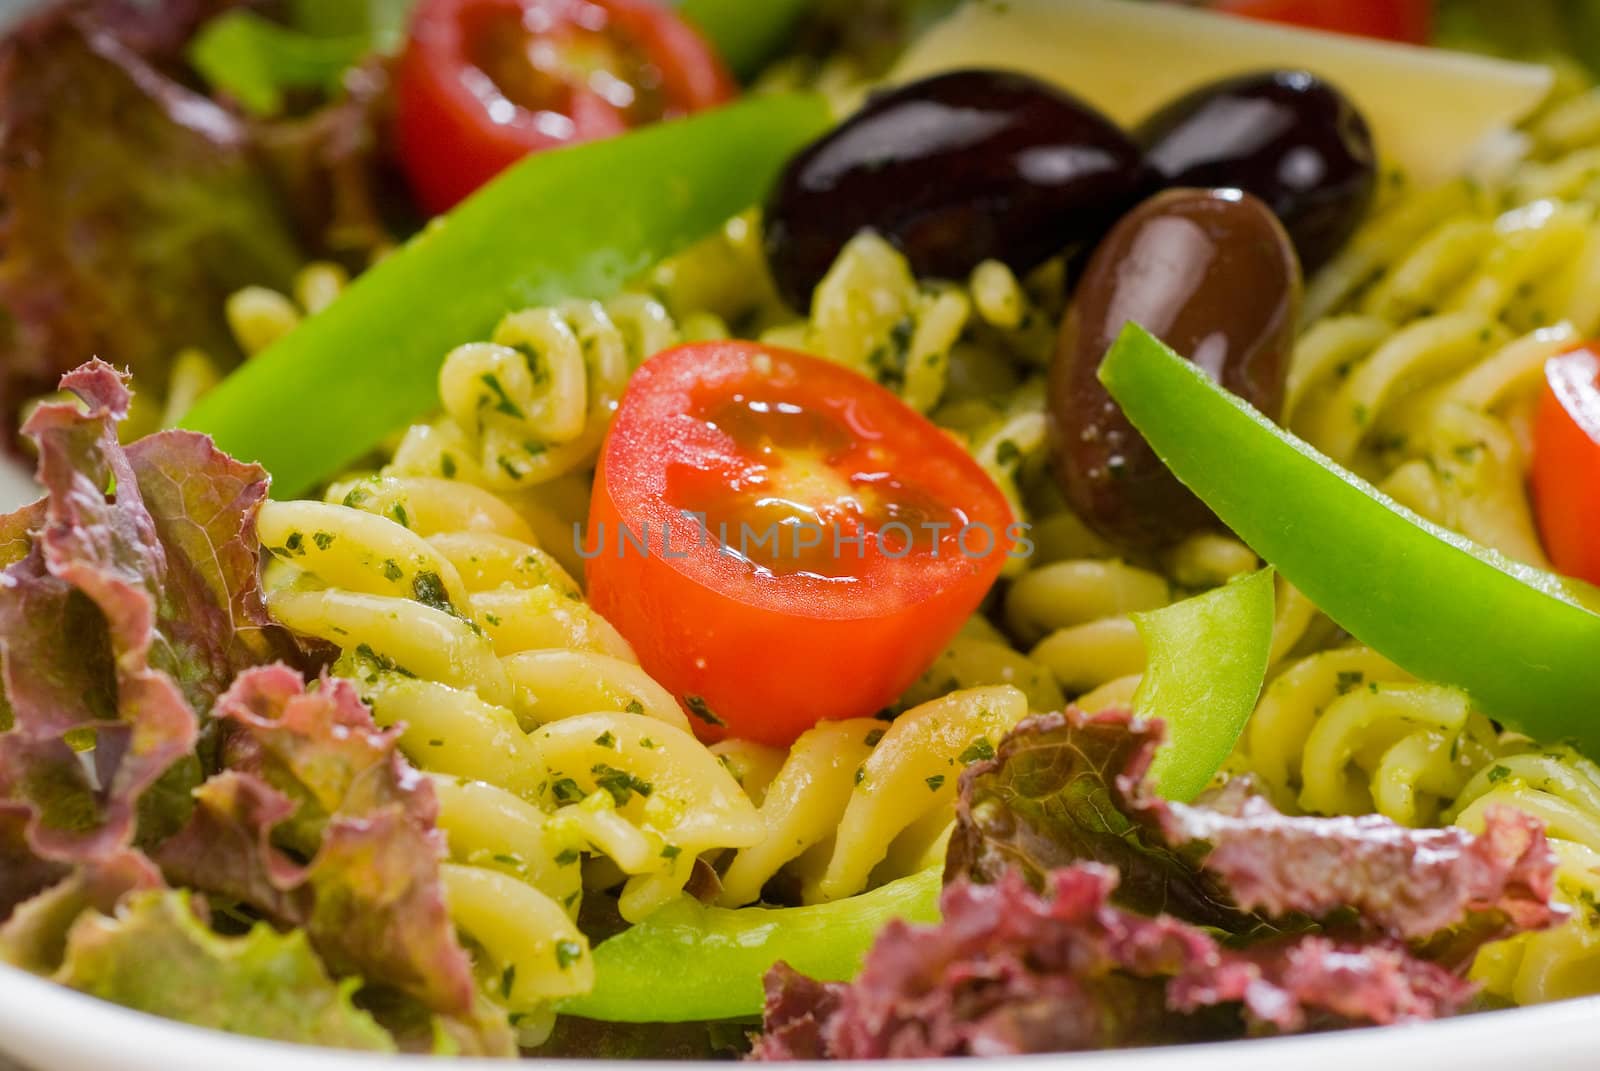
<point x="822" y="531"/>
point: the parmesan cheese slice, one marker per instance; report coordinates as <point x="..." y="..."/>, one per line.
<point x="1430" y="110"/>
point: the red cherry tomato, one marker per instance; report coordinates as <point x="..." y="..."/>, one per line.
<point x="482" y="83"/>
<point x="1410" y="21"/>
<point x="1566" y="462"/>
<point x="782" y="540"/>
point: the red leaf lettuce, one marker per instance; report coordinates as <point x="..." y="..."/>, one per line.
<point x="1082" y="912"/>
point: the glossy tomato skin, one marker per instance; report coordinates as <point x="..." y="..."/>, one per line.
<point x="1408" y="21"/>
<point x="457" y="127"/>
<point x="1566" y="463"/>
<point x="752" y="652"/>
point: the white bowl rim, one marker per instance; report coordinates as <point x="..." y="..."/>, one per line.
<point x="56" y="1029"/>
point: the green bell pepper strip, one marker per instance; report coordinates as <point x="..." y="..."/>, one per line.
<point x="254" y="60"/>
<point x="1206" y="660"/>
<point x="689" y="962"/>
<point x="747" y="33"/>
<point x="1525" y="645"/>
<point x="578" y="221"/>
<point x="381" y="22"/>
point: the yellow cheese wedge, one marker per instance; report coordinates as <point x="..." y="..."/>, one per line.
<point x="1429" y="109"/>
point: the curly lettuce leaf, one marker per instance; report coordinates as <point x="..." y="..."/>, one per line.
<point x="34" y="937"/>
<point x="1229" y="918"/>
<point x="131" y="610"/>
<point x="1055" y="794"/>
<point x="1010" y="970"/>
<point x="155" y="955"/>
<point x="1065" y="788"/>
<point x="312" y="777"/>
<point x="132" y="206"/>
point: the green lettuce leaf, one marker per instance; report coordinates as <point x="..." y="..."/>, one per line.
<point x="311" y="777"/>
<point x="130" y="206"/>
<point x="156" y="956"/>
<point x="133" y="606"/>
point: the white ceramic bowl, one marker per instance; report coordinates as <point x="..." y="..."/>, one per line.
<point x="47" y="1028"/>
<point x="53" y="1029"/>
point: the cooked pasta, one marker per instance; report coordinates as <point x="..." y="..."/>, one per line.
<point x="1426" y="344"/>
<point x="533" y="403"/>
<point x="1346" y="732"/>
<point x="545" y="740"/>
<point x="857" y="799"/>
<point x="511" y="744"/>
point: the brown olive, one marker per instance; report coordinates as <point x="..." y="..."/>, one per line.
<point x="953" y="170"/>
<point x="1213" y="274"/>
<point x="1287" y="137"/>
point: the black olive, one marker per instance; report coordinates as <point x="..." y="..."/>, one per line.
<point x="953" y="170"/>
<point x="1212" y="274"/>
<point x="1288" y="137"/>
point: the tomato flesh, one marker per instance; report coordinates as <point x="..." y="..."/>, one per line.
<point x="482" y="83"/>
<point x="1566" y="463"/>
<point x="1409" y="21"/>
<point x="782" y="540"/>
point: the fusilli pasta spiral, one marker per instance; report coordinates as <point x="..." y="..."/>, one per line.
<point x="545" y="740"/>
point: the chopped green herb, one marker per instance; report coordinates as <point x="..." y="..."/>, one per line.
<point x="566" y="790"/>
<point x="382" y="662"/>
<point x="566" y="857"/>
<point x="702" y="710"/>
<point x="1350" y="680"/>
<point x="980" y="750"/>
<point x="874" y="736"/>
<point x="605" y="739"/>
<point x="620" y="783"/>
<point x="1498" y="773"/>
<point x="428" y="589"/>
<point x="323" y="540"/>
<point x="501" y="401"/>
<point x="508" y="979"/>
<point x="634" y="707"/>
<point x="671" y="851"/>
<point x="936" y="782"/>
<point x="568" y="953"/>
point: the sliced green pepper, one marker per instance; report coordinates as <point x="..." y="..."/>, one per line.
<point x="1523" y="643"/>
<point x="578" y="221"/>
<point x="746" y="34"/>
<point x="255" y="60"/>
<point x="1206" y="659"/>
<point x="689" y="962"/>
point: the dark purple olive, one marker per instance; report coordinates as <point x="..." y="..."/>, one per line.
<point x="1213" y="275"/>
<point x="1288" y="137"/>
<point x="953" y="170"/>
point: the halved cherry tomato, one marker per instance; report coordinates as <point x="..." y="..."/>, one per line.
<point x="1410" y="21"/>
<point x="782" y="540"/>
<point x="482" y="83"/>
<point x="1566" y="462"/>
